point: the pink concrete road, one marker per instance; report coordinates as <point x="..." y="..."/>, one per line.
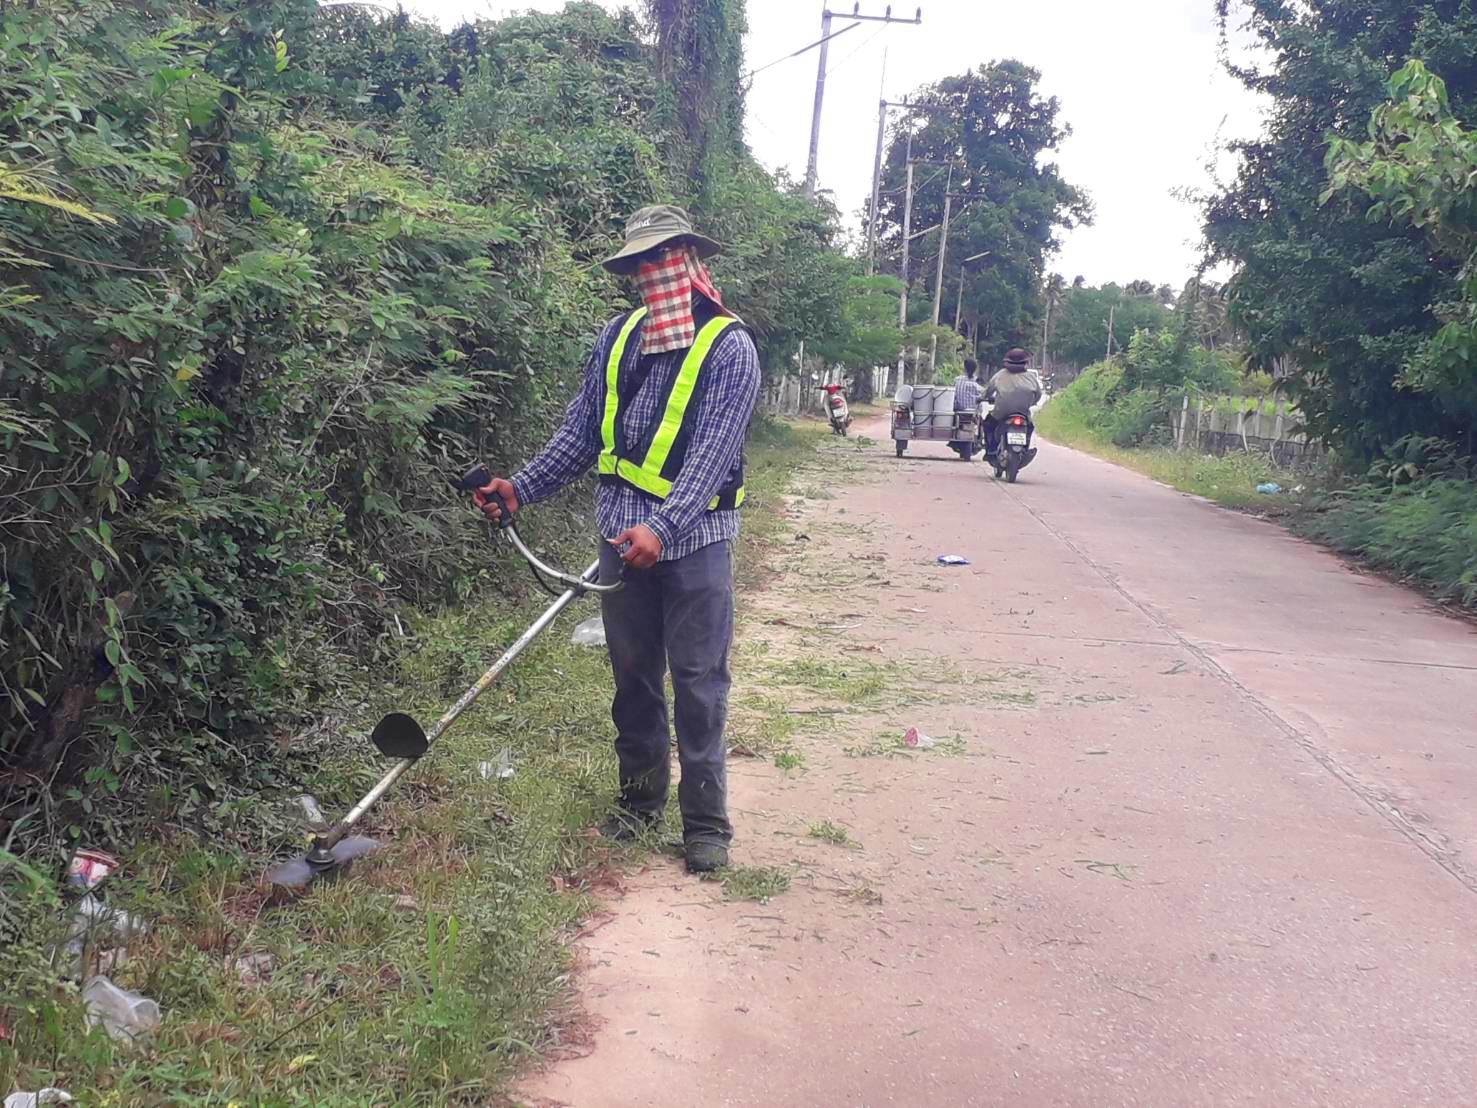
<point x="1205" y="833"/>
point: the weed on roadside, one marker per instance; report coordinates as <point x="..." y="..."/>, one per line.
<point x="753" y="882"/>
<point x="829" y="832"/>
<point x="789" y="759"/>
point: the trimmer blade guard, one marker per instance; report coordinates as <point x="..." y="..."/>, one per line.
<point x="399" y="736"/>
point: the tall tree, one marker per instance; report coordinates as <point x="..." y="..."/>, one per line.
<point x="1347" y="299"/>
<point x="996" y="129"/>
<point x="700" y="59"/>
<point x="1420" y="166"/>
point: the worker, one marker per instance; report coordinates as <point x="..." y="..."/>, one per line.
<point x="662" y="413"/>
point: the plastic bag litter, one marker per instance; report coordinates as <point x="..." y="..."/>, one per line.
<point x="48" y="1095"/>
<point x="125" y="1014"/>
<point x="917" y="740"/>
<point x="589" y="633"/>
<point x="953" y="560"/>
<point x="1271" y="488"/>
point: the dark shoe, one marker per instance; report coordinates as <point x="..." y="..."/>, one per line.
<point x="705" y="857"/>
<point x="626" y="827"/>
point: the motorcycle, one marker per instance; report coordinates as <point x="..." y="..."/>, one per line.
<point x="836" y="409"/>
<point x="1011" y="449"/>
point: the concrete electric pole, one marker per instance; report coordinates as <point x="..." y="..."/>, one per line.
<point x="820" y="77"/>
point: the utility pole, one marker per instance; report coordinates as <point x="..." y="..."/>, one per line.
<point x="876" y="191"/>
<point x="1111" y="309"/>
<point x="902" y="304"/>
<point x="938" y="277"/>
<point x="820" y="78"/>
<point x="938" y="281"/>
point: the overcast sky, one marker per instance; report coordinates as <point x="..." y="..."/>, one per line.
<point x="1139" y="84"/>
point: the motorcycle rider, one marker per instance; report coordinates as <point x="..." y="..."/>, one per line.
<point x="967" y="388"/>
<point x="1015" y="390"/>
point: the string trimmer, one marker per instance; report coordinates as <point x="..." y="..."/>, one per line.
<point x="399" y="736"/>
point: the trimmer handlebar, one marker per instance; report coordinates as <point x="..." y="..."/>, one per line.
<point x="479" y="477"/>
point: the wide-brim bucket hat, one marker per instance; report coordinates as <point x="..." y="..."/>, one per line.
<point x="1017" y="357"/>
<point x="655" y="226"/>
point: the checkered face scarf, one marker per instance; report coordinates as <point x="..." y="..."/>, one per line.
<point x="666" y="286"/>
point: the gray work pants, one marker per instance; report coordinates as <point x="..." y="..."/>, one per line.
<point x="677" y="614"/>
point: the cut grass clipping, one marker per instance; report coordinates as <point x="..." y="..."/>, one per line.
<point x="753" y="882"/>
<point x="829" y="832"/>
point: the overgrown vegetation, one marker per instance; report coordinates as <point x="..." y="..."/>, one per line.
<point x="1344" y="294"/>
<point x="268" y="274"/>
<point x="435" y="969"/>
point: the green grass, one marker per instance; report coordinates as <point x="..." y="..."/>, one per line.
<point x="435" y="969"/>
<point x="1426" y="532"/>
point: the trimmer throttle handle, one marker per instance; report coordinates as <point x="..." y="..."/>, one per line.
<point x="478" y="477"/>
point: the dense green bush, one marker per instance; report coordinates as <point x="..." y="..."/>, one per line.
<point x="1122" y="401"/>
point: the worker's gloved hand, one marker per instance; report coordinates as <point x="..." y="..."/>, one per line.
<point x="642" y="547"/>
<point x="484" y="500"/>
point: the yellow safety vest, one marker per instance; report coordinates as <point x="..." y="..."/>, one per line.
<point x="656" y="471"/>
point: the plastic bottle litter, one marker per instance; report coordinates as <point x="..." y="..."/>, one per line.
<point x="48" y="1095"/>
<point x="589" y="633"/>
<point x="307" y="808"/>
<point x="917" y="740"/>
<point x="125" y="1014"/>
<point x="502" y="769"/>
<point x="1271" y="488"/>
<point x="953" y="560"/>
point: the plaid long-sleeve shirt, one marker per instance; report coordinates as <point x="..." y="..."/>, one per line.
<point x="682" y="521"/>
<point x="966" y="393"/>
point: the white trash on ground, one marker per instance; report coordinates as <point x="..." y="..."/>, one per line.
<point x="917" y="740"/>
<point x="953" y="560"/>
<point x="308" y="810"/>
<point x="125" y="1014"/>
<point x="589" y="633"/>
<point x="48" y="1095"/>
<point x="501" y="769"/>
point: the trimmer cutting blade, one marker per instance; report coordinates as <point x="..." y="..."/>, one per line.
<point x="320" y="863"/>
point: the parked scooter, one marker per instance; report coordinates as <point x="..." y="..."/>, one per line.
<point x="836" y="408"/>
<point x="1011" y="450"/>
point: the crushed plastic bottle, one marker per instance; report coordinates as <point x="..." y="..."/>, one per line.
<point x="915" y="739"/>
<point x="502" y="769"/>
<point x="94" y="923"/>
<point x="49" y="1095"/>
<point x="126" y="1015"/>
<point x="1270" y="488"/>
<point x="308" y="810"/>
<point x="589" y="633"/>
